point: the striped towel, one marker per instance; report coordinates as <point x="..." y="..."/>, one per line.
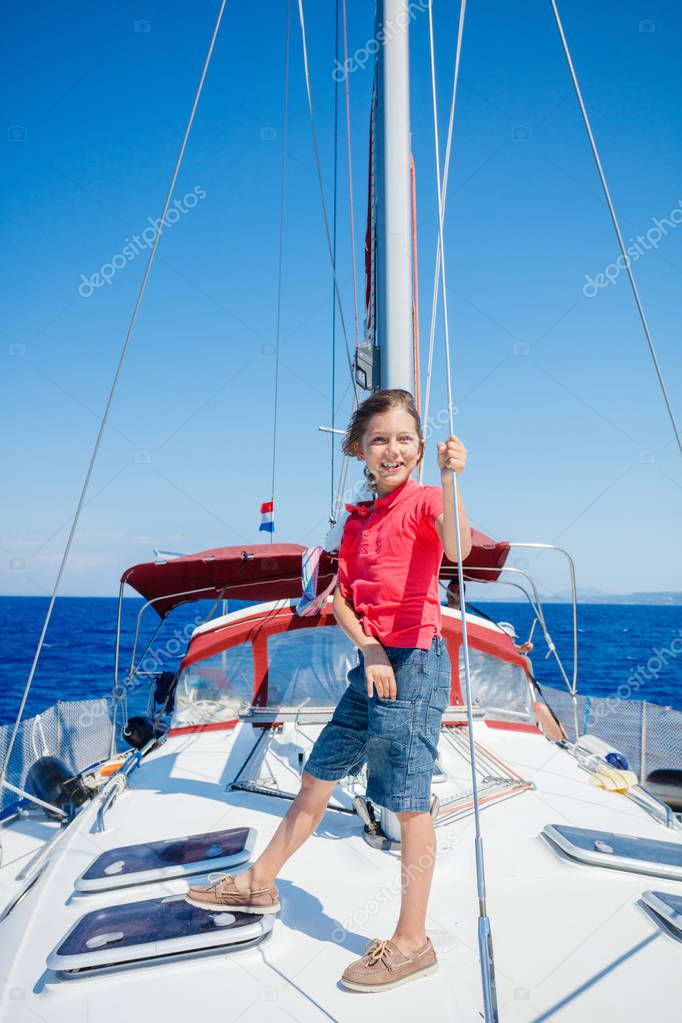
<point x="310" y="602"/>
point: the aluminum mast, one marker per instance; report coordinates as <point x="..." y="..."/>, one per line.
<point x="394" y="334"/>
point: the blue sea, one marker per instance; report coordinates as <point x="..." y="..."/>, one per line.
<point x="77" y="661"/>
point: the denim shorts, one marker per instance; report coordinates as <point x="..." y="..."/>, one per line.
<point x="398" y="738"/>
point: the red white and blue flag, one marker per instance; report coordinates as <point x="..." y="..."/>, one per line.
<point x="267" y="522"/>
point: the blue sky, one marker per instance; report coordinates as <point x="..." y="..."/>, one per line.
<point x="558" y="403"/>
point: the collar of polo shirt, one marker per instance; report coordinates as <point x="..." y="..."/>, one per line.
<point x="395" y="495"/>
<point x="365" y="508"/>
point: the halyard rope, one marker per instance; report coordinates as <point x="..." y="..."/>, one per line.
<point x="282" y="198"/>
<point x="330" y="247"/>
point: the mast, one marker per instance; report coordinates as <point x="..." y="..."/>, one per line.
<point x="394" y="319"/>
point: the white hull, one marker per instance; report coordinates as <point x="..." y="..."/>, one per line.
<point x="570" y="941"/>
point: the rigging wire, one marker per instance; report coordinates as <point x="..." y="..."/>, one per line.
<point x="105" y="417"/>
<point x="443" y="192"/>
<point x="484" y="929"/>
<point x="343" y="472"/>
<point x="282" y="198"/>
<point x="318" y="169"/>
<point x="325" y="218"/>
<point x="616" y="225"/>
<point x="336" y="500"/>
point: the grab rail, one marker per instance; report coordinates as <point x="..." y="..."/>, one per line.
<point x="119" y="781"/>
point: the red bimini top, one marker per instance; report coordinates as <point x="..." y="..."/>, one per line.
<point x="389" y="559"/>
<point x="262" y="572"/>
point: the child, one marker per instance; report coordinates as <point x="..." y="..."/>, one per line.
<point x="387" y="602"/>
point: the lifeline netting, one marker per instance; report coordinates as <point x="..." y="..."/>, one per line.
<point x="649" y="734"/>
<point x="77" y="731"/>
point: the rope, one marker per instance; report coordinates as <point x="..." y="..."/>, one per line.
<point x="282" y="197"/>
<point x="370" y="228"/>
<point x="415" y="291"/>
<point x="110" y="399"/>
<point x="330" y="246"/>
<point x="616" y="226"/>
<point x="350" y="177"/>
<point x="484" y="931"/>
<point x="332" y="437"/>
<point x="318" y="169"/>
<point x="443" y="194"/>
<point x="336" y="501"/>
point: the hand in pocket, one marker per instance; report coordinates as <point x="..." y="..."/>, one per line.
<point x="379" y="673"/>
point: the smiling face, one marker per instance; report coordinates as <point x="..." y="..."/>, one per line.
<point x="391" y="448"/>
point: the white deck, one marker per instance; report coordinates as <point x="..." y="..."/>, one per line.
<point x="570" y="941"/>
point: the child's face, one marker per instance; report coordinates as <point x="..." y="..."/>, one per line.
<point x="391" y="448"/>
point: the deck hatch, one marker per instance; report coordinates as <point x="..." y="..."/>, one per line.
<point x="175" y="857"/>
<point x="668" y="908"/>
<point x="151" y="929"/>
<point x="618" y="852"/>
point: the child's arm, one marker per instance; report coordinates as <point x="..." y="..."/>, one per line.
<point x="452" y="455"/>
<point x="349" y="621"/>
<point x="378" y="670"/>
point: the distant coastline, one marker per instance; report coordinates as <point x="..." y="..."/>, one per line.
<point x="616" y="641"/>
<point x="664" y="599"/>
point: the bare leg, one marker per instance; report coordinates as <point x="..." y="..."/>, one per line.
<point x="417" y="860"/>
<point x="301" y="819"/>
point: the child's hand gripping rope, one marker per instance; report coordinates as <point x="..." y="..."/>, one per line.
<point x="451" y="454"/>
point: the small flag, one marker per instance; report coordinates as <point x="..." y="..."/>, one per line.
<point x="267" y="522"/>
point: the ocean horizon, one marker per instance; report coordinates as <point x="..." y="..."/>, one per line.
<point x="616" y="643"/>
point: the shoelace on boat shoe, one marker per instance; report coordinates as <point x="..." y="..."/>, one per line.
<point x="377" y="949"/>
<point x="219" y="874"/>
<point x="223" y="877"/>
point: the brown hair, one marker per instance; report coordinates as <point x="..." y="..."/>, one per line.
<point x="379" y="401"/>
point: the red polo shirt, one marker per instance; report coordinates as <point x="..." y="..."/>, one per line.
<point x="389" y="559"/>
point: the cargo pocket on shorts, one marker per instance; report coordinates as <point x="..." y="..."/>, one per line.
<point x="389" y="740"/>
<point x="424" y="749"/>
<point x="393" y="719"/>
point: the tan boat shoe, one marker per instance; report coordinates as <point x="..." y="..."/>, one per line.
<point x="384" y="966"/>
<point x="223" y="894"/>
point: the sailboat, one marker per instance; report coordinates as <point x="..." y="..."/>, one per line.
<point x="557" y="890"/>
